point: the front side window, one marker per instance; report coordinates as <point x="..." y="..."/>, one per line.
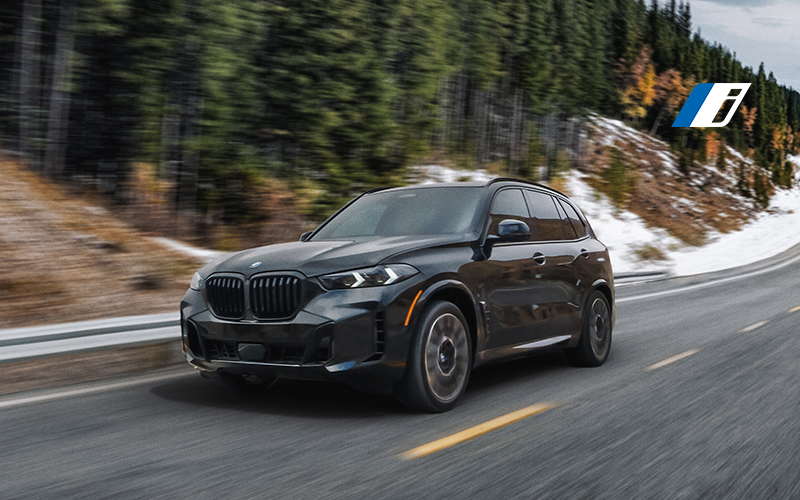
<point x="508" y="204"/>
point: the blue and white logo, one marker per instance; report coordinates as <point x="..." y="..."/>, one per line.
<point x="705" y="101"/>
<point x="255" y="265"/>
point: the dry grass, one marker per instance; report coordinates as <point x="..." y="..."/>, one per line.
<point x="66" y="258"/>
<point x="559" y="183"/>
<point x="272" y="210"/>
<point x="650" y="252"/>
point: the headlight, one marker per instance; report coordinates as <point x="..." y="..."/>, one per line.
<point x="197" y="282"/>
<point x="374" y="276"/>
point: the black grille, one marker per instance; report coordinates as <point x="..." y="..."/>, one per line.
<point x="275" y="353"/>
<point x="226" y="297"/>
<point x="274" y="297"/>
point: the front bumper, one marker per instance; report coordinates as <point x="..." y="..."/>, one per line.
<point x="357" y="336"/>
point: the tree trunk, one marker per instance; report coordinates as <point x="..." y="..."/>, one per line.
<point x="58" y="122"/>
<point x="189" y="96"/>
<point x="656" y="124"/>
<point x="29" y="86"/>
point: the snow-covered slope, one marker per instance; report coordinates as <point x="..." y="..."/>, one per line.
<point x="626" y="235"/>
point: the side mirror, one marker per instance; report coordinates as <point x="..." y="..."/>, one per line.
<point x="513" y="230"/>
<point x="304" y="236"/>
<point x="509" y="230"/>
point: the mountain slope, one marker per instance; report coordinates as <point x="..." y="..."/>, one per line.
<point x="64" y="258"/>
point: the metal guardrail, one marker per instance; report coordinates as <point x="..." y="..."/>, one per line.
<point x="19" y="344"/>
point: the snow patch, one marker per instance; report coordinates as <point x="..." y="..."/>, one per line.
<point x="769" y="234"/>
<point x="177" y="246"/>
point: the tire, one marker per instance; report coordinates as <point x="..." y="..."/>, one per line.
<point x="595" y="341"/>
<point x="440" y="361"/>
<point x="241" y="385"/>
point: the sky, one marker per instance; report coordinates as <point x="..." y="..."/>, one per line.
<point x="756" y="30"/>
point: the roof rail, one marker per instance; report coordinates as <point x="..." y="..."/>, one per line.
<point x="375" y="190"/>
<point x="523" y="181"/>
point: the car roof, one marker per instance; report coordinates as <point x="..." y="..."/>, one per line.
<point x="503" y="181"/>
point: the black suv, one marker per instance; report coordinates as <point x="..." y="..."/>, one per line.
<point x="404" y="291"/>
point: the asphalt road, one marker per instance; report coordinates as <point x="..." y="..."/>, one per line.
<point x="722" y="421"/>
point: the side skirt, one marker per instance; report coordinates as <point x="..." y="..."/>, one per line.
<point x="521" y="350"/>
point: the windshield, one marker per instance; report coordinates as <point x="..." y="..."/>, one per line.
<point x="421" y="211"/>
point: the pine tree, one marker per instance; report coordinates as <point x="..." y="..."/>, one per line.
<point x="328" y="103"/>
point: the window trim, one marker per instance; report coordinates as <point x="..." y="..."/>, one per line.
<point x="554" y="196"/>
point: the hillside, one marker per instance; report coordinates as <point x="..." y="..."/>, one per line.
<point x="699" y="219"/>
<point x="65" y="258"/>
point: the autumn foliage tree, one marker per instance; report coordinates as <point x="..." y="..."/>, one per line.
<point x="637" y="85"/>
<point x="671" y="91"/>
<point x="749" y="116"/>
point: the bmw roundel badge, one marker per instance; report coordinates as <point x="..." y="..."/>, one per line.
<point x="255" y="265"/>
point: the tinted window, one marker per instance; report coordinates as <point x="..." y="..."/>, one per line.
<point x="511" y="203"/>
<point x="548" y="225"/>
<point x="568" y="231"/>
<point x="421" y="211"/>
<point x="572" y="216"/>
<point x="508" y="204"/>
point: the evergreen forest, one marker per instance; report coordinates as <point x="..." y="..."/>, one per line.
<point x="328" y="98"/>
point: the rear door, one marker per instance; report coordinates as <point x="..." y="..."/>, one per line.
<point x="555" y="306"/>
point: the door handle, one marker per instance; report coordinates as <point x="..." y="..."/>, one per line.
<point x="584" y="253"/>
<point x="539" y="258"/>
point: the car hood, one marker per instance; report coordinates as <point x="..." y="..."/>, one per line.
<point x="314" y="258"/>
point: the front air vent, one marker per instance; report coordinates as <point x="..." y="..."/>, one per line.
<point x="380" y="337"/>
<point x="286" y="354"/>
<point x="274" y="297"/>
<point x="380" y="333"/>
<point x="220" y="350"/>
<point x="193" y="339"/>
<point x="226" y="297"/>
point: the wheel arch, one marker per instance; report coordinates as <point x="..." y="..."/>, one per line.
<point x="603" y="286"/>
<point x="459" y="295"/>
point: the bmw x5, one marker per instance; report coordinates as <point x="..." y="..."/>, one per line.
<point x="404" y="291"/>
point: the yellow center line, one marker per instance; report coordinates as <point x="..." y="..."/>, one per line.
<point x="478" y="430"/>
<point x="753" y="327"/>
<point x="794" y="309"/>
<point x="673" y="359"/>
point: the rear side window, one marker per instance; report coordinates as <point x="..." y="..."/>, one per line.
<point x="569" y="232"/>
<point x="572" y="216"/>
<point x="508" y="204"/>
<point x="548" y="225"/>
